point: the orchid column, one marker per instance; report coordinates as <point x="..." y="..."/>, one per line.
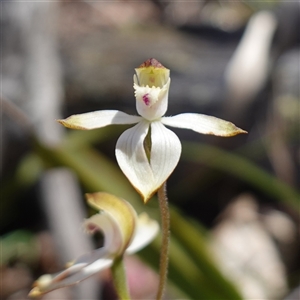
<point x="149" y="152"/>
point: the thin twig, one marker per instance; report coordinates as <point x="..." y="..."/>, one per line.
<point x="164" y="254"/>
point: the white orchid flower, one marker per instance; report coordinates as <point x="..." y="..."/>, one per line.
<point x="148" y="173"/>
<point x="123" y="231"/>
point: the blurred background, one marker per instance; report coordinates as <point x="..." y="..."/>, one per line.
<point x="234" y="201"/>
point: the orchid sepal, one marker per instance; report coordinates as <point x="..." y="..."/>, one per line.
<point x="98" y="119"/>
<point x="203" y="124"/>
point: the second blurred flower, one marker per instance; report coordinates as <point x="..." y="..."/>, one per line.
<point x="124" y="232"/>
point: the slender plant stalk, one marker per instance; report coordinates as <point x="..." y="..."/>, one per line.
<point x="119" y="278"/>
<point x="164" y="253"/>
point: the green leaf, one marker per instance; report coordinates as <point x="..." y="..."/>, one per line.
<point x="19" y="245"/>
<point x="243" y="169"/>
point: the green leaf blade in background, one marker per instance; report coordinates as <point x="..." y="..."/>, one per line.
<point x="243" y="169"/>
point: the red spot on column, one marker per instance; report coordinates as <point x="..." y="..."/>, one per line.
<point x="146" y="99"/>
<point x="92" y="228"/>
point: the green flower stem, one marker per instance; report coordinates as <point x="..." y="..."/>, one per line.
<point x="119" y="278"/>
<point x="164" y="253"/>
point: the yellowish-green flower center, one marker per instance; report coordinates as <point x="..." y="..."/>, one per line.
<point x="152" y="73"/>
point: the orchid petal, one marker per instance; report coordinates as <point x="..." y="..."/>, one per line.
<point x="147" y="177"/>
<point x="71" y="275"/>
<point x="118" y="217"/>
<point x="98" y="119"/>
<point x="132" y="159"/>
<point x="203" y="124"/>
<point x="165" y="153"/>
<point x="146" y="231"/>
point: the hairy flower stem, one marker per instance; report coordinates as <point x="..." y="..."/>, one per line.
<point x="164" y="254"/>
<point x="119" y="278"/>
